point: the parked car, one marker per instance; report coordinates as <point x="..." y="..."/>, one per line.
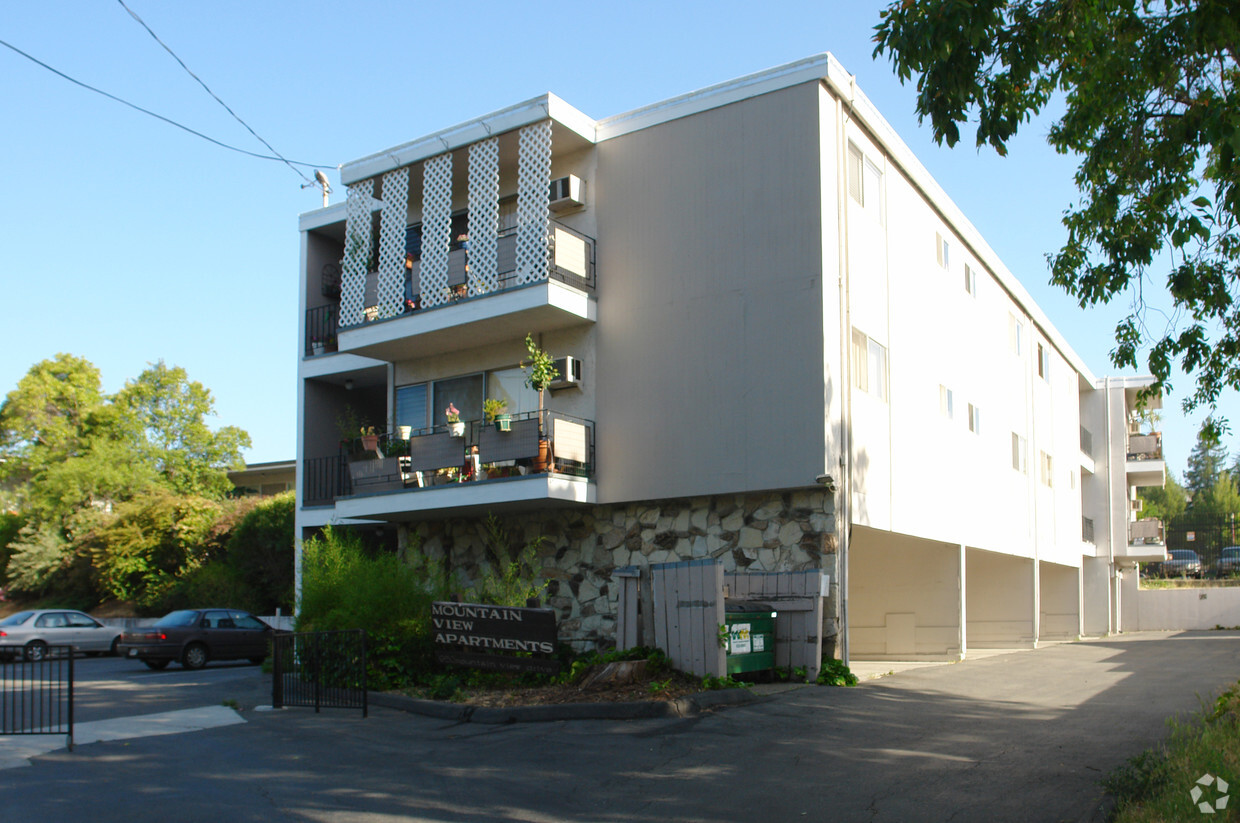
<point x="1228" y="562"/>
<point x="29" y="633"/>
<point x="195" y="636"/>
<point x="1182" y="563"/>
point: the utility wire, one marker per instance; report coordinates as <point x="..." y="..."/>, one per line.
<point x="160" y="116"/>
<point x="236" y="117"/>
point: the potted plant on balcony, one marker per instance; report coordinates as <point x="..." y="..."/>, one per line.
<point x="370" y="440"/>
<point x="455" y="427"/>
<point x="539" y="371"/>
<point x="496" y="411"/>
<point x="317" y="346"/>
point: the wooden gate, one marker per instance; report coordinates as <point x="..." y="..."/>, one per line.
<point x="681" y="608"/>
<point x="797" y="600"/>
<point x="678" y="607"/>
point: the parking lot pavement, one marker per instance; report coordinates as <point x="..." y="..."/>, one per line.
<point x="18" y="750"/>
<point x="1022" y="736"/>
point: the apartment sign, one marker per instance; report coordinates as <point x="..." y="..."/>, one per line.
<point x="492" y="637"/>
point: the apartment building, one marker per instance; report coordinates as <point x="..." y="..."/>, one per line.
<point x="780" y="345"/>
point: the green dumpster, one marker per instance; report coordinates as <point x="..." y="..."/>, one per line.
<point x="751" y="636"/>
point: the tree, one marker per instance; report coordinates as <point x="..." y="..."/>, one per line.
<point x="1205" y="462"/>
<point x="1165" y="502"/>
<point x="169" y="411"/>
<point x="1152" y="110"/>
<point x="1220" y="500"/>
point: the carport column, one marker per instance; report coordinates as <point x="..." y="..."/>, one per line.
<point x="1037" y="601"/>
<point x="963" y="593"/>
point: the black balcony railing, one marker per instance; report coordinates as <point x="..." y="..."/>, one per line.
<point x="471" y="451"/>
<point x="324" y="479"/>
<point x="321" y="330"/>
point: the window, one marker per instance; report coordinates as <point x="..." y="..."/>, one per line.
<point x="970" y="280"/>
<point x="1016" y="334"/>
<point x="1018" y="453"/>
<point x="942" y="250"/>
<point x="509" y="385"/>
<point x="1046" y="472"/>
<point x="975" y="419"/>
<point x="411" y="406"/>
<point x="945" y="402"/>
<point x="856" y="186"/>
<point x="869" y="365"/>
<point x="1044" y="363"/>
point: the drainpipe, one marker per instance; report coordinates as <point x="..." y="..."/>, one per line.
<point x="844" y="510"/>
<point x="1112" y="577"/>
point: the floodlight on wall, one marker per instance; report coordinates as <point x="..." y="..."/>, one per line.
<point x="348" y="384"/>
<point x="826" y="481"/>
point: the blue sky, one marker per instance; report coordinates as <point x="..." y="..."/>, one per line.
<point x="126" y="240"/>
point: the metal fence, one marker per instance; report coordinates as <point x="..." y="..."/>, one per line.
<point x="326" y="670"/>
<point x="1207" y="537"/>
<point x="36" y="697"/>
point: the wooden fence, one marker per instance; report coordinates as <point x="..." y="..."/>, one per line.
<point x="678" y="607"/>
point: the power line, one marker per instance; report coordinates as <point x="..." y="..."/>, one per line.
<point x="170" y="122"/>
<point x="208" y="90"/>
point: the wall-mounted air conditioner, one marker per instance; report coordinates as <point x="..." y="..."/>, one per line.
<point x="570" y="374"/>
<point x="567" y="193"/>
<point x="1138" y="504"/>
<point x="1134" y="426"/>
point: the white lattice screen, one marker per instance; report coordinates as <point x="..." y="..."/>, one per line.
<point x="391" y="288"/>
<point x="533" y="210"/>
<point x="356" y="252"/>
<point x="483" y="216"/>
<point x="436" y="229"/>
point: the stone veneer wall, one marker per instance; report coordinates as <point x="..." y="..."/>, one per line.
<point x="778" y="531"/>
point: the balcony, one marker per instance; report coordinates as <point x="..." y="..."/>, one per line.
<point x="1146" y="543"/>
<point x="426" y="324"/>
<point x="1145" y="465"/>
<point x="477" y="467"/>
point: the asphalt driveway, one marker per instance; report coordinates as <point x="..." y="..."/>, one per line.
<point x="1022" y="736"/>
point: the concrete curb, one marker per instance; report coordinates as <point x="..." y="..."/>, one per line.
<point x="690" y="706"/>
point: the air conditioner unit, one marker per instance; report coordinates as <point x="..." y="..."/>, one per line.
<point x="1137" y="505"/>
<point x="1134" y="426"/>
<point x="570" y="374"/>
<point x="567" y="193"/>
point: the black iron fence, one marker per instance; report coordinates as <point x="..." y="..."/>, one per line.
<point x="36" y="697"/>
<point x="1212" y="542"/>
<point x="321" y="328"/>
<point x="326" y="670"/>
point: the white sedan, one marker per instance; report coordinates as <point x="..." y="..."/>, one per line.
<point x="30" y="633"/>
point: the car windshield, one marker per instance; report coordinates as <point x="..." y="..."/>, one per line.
<point x="1233" y="551"/>
<point x="182" y="618"/>
<point x="16" y="619"/>
<point x="1183" y="554"/>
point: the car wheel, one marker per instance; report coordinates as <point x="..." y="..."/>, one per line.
<point x="36" y="650"/>
<point x="156" y="664"/>
<point x="116" y="641"/>
<point x="195" y="656"/>
<point x="258" y="661"/>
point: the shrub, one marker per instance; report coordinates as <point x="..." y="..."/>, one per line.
<point x="260" y="552"/>
<point x="835" y="673"/>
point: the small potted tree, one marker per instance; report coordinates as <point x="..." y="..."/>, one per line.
<point x="496" y="411"/>
<point x="539" y="371"/>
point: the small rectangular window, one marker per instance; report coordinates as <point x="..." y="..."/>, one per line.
<point x="1046" y="471"/>
<point x="975" y="419"/>
<point x="970" y="280"/>
<point x="1018" y="453"/>
<point x="860" y="368"/>
<point x="1044" y="363"/>
<point x="856" y="186"/>
<point x="877" y="355"/>
<point x="1016" y="334"/>
<point x="945" y="402"/>
<point x="942" y="250"/>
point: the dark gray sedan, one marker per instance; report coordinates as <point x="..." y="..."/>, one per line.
<point x="195" y="636"/>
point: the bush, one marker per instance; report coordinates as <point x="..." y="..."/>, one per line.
<point x="260" y="552"/>
<point x="835" y="673"/>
